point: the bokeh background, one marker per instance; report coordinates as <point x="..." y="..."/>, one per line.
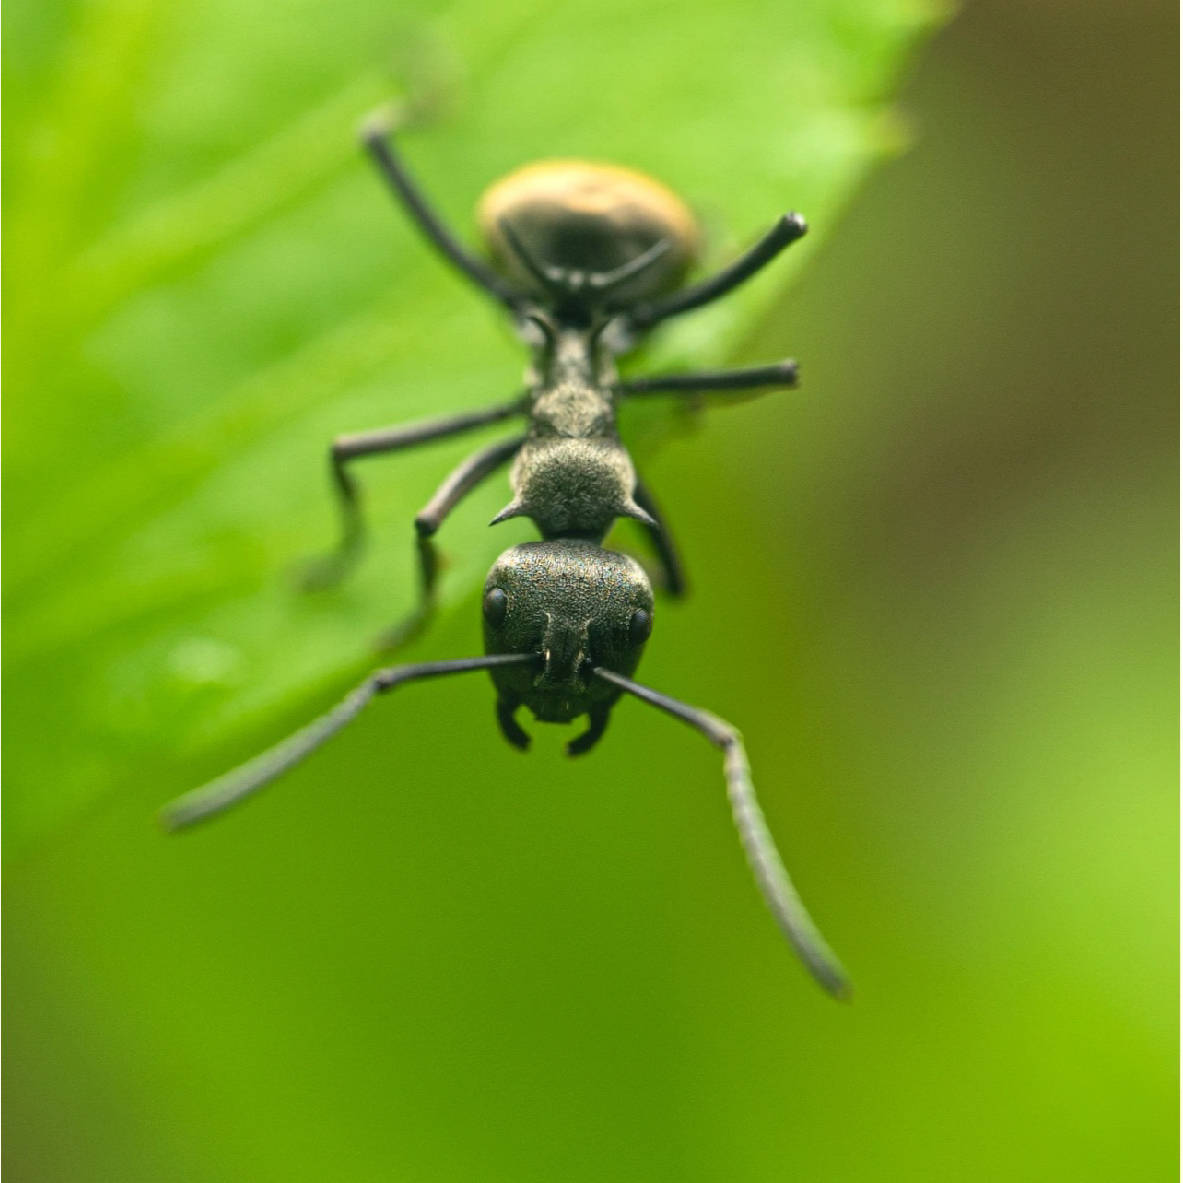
<point x="936" y="587"/>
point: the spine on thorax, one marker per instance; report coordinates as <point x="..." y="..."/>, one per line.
<point x="573" y="476"/>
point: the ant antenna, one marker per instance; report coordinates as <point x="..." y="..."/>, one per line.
<point x="754" y="835"/>
<point x="248" y="778"/>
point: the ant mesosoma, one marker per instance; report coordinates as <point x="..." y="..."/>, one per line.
<point x="588" y="258"/>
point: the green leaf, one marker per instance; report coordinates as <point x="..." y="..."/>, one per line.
<point x="206" y="282"/>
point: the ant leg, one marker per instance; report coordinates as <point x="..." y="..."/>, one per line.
<point x="509" y="725"/>
<point x="248" y="778"/>
<point x="672" y="574"/>
<point x="332" y="568"/>
<point x="377" y="136"/>
<point x="461" y="481"/>
<point x="779" y="892"/>
<point x="787" y="229"/>
<point x="597" y="722"/>
<point x="782" y="374"/>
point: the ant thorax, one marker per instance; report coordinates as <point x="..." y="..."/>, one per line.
<point x="572" y="487"/>
<point x="580" y="356"/>
<point x="572" y="476"/>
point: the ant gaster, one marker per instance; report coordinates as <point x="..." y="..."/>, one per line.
<point x="589" y="258"/>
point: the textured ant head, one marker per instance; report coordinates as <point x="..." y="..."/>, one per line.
<point x="574" y="606"/>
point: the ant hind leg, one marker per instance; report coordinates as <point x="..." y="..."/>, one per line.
<point x="377" y="137"/>
<point x="785" y="231"/>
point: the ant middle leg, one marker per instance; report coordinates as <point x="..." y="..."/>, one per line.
<point x="332" y="568"/>
<point x="780" y="374"/>
<point x="460" y="482"/>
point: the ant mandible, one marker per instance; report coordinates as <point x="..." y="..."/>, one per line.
<point x="588" y="259"/>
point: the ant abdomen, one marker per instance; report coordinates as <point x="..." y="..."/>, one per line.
<point x="585" y="218"/>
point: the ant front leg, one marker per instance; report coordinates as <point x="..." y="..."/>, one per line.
<point x="332" y="568"/>
<point x="673" y="577"/>
<point x="460" y="482"/>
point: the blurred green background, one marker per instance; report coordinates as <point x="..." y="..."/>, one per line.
<point x="937" y="588"/>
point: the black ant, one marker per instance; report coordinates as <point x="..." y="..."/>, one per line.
<point x="589" y="258"/>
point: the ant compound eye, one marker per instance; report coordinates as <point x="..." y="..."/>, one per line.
<point x="495" y="606"/>
<point x="640" y="626"/>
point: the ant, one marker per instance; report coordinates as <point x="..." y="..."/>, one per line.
<point x="588" y="259"/>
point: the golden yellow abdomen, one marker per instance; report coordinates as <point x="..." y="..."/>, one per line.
<point x="590" y="217"/>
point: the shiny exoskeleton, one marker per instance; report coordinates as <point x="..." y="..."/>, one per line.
<point x="587" y="259"/>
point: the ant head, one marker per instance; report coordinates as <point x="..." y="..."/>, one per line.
<point x="573" y="605"/>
